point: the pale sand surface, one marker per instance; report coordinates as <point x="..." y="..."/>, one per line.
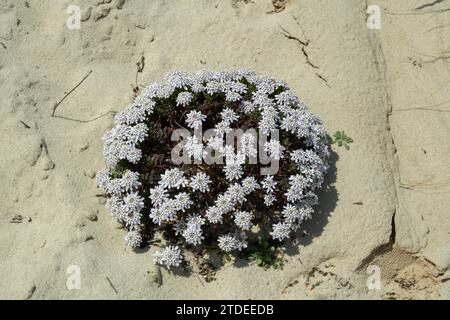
<point x="385" y="88"/>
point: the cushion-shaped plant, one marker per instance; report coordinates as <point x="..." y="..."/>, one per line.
<point x="164" y="170"/>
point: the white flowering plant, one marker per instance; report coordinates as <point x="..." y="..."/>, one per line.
<point x="195" y="204"/>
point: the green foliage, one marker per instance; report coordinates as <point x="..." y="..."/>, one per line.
<point x="342" y="140"/>
<point x="266" y="255"/>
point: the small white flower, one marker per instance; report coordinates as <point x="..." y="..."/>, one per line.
<point x="182" y="201"/>
<point x="260" y="97"/>
<point x="233" y="171"/>
<point x="236" y="193"/>
<point x="215" y="143"/>
<point x="229" y="115"/>
<point x="214" y="215"/>
<point x="164" y="91"/>
<point x="243" y="219"/>
<point x="232" y="96"/>
<point x="194" y="148"/>
<point x="138" y="133"/>
<point x="269" y="199"/>
<point x="133" y="202"/>
<point x="274" y="148"/>
<point x="166" y="212"/>
<point x="200" y="182"/>
<point x="133" y="154"/>
<point x="115" y="187"/>
<point x="135" y="112"/>
<point x="184" y="98"/>
<point x="247" y="106"/>
<point x="224" y="203"/>
<point x="133" y="239"/>
<point x="249" y="144"/>
<point x="268" y="122"/>
<point x="170" y="257"/>
<point x="281" y="231"/>
<point x="287" y="98"/>
<point x="132" y="221"/>
<point x="194" y="119"/>
<point x="130" y="180"/>
<point x="213" y="87"/>
<point x="173" y="178"/>
<point x="305" y="212"/>
<point x="230" y="242"/>
<point x="296" y="191"/>
<point x="227" y="243"/>
<point x="269" y="184"/>
<point x="158" y="195"/>
<point x="116" y="207"/>
<point x="193" y="233"/>
<point x="290" y="213"/>
<point x="250" y="184"/>
<point x="195" y="219"/>
<point x="222" y="127"/>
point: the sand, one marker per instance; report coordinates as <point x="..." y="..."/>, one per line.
<point x="386" y="204"/>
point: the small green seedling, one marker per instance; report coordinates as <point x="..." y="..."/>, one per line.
<point x="342" y="139"/>
<point x="266" y="256"/>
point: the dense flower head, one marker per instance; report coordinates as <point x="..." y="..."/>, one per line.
<point x="194" y="119"/>
<point x="199" y="204"/>
<point x="200" y="182"/>
<point x="230" y="242"/>
<point x="243" y="219"/>
<point x="274" y="148"/>
<point x="184" y="98"/>
<point x="170" y="257"/>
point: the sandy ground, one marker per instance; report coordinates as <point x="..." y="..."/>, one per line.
<point x="387" y="203"/>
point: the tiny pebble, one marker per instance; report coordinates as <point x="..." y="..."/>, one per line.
<point x="90" y="173"/>
<point x="92" y="214"/>
<point x="83" y="147"/>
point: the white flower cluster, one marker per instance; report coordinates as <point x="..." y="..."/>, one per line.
<point x="269" y="185"/>
<point x="194" y="119"/>
<point x="234" y="196"/>
<point x="170" y="257"/>
<point x="230" y="242"/>
<point x="166" y="209"/>
<point x="173" y="197"/>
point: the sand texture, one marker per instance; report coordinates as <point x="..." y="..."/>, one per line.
<point x="387" y="199"/>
